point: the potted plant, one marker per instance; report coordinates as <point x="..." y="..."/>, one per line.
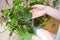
<point x="18" y="18"/>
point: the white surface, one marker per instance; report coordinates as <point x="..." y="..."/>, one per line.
<point x="3" y="4"/>
<point x="5" y="35"/>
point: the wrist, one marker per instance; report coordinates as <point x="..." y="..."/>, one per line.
<point x="49" y="10"/>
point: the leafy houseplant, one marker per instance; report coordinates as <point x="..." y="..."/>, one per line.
<point x="18" y="18"/>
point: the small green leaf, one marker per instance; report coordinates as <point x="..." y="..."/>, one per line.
<point x="11" y="31"/>
<point x="33" y="1"/>
<point x="53" y="25"/>
<point x="8" y="24"/>
<point x="6" y="13"/>
<point x="14" y="22"/>
<point x="18" y="8"/>
<point x="40" y="3"/>
<point x="27" y="36"/>
<point x="25" y="27"/>
<point x="55" y="3"/>
<point x="16" y="2"/>
<point x="27" y="16"/>
<point x="20" y="32"/>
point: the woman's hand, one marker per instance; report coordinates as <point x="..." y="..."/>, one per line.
<point x="45" y="34"/>
<point x="38" y="10"/>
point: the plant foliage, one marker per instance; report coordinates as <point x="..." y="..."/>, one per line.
<point x="18" y="18"/>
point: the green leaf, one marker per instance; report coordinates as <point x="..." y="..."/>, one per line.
<point x="16" y="2"/>
<point x="55" y="3"/>
<point x="8" y="24"/>
<point x="40" y="3"/>
<point x="25" y="28"/>
<point x="11" y="31"/>
<point x="14" y="22"/>
<point x="34" y="3"/>
<point x="20" y="33"/>
<point x="18" y="8"/>
<point x="27" y="36"/>
<point x="33" y="0"/>
<point x="27" y="16"/>
<point x="6" y="13"/>
<point x="53" y="25"/>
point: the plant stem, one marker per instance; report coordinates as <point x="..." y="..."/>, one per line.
<point x="32" y="23"/>
<point x="46" y="2"/>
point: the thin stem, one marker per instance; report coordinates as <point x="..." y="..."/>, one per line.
<point x="46" y="2"/>
<point x="32" y="23"/>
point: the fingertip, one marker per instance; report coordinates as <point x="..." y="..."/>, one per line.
<point x="34" y="6"/>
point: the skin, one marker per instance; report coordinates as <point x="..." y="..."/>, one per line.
<point x="45" y="33"/>
<point x="40" y="10"/>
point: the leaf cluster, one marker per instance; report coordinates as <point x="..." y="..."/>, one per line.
<point x="18" y="18"/>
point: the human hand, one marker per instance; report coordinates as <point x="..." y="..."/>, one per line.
<point x="38" y="10"/>
<point x="42" y="33"/>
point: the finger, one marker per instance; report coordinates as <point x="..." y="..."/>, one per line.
<point x="37" y="13"/>
<point x="38" y="6"/>
<point x="33" y="10"/>
<point x="36" y="9"/>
